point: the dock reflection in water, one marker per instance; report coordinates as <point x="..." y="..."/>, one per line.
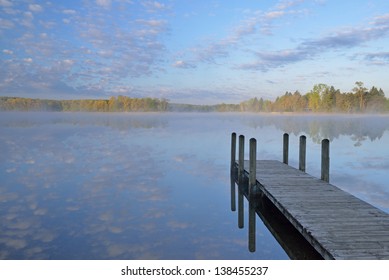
<point x="293" y="243"/>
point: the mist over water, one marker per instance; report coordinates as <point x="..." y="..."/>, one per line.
<point x="156" y="186"/>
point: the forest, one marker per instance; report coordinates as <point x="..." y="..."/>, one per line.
<point x="114" y="104"/>
<point x="322" y="98"/>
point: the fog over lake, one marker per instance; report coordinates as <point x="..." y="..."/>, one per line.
<point x="157" y="186"/>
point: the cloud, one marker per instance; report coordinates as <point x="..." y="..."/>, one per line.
<point x="152" y="23"/>
<point x="6" y="24"/>
<point x="35" y="8"/>
<point x="14" y="243"/>
<point x="246" y="28"/>
<point x="264" y="20"/>
<point x="346" y="38"/>
<point x="18" y="77"/>
<point x="67" y="62"/>
<point x="8" y="52"/>
<point x="383" y="55"/>
<point x="100" y="56"/>
<point x="268" y="60"/>
<point x="274" y="14"/>
<point x="27" y="20"/>
<point x="69" y="12"/>
<point x="214" y="51"/>
<point x="153" y="6"/>
<point x="256" y="22"/>
<point x="183" y="64"/>
<point x="379" y="58"/>
<point x="178" y="225"/>
<point x="5" y="3"/>
<point x="135" y="48"/>
<point x="381" y="20"/>
<point x="149" y="28"/>
<point x="158" y="5"/>
<point x="104" y="3"/>
<point x="308" y="49"/>
<point x="261" y="22"/>
<point x="287" y="4"/>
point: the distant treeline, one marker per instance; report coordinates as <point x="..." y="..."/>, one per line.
<point x="114" y="104"/>
<point x="322" y="98"/>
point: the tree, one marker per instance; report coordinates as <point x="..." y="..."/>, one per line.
<point x="360" y="92"/>
<point x="375" y="100"/>
<point x="313" y="101"/>
<point x="328" y="99"/>
<point x="163" y="104"/>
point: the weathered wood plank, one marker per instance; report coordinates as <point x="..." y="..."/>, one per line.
<point x="336" y="223"/>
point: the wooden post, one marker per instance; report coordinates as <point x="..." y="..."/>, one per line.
<point x="325" y="160"/>
<point x="302" y="155"/>
<point x="286" y="148"/>
<point x="253" y="166"/>
<point x="241" y="158"/>
<point x="240" y="179"/>
<point x="252" y="192"/>
<point x="233" y="150"/>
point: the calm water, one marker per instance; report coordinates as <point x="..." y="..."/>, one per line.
<point x="157" y="186"/>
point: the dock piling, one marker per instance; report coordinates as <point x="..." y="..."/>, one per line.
<point x="253" y="166"/>
<point x="302" y="152"/>
<point x="233" y="149"/>
<point x="241" y="157"/>
<point x="286" y="148"/>
<point x="251" y="192"/>
<point x="325" y="160"/>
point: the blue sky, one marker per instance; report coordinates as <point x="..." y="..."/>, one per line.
<point x="190" y="51"/>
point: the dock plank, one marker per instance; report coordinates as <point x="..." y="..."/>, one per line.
<point x="337" y="224"/>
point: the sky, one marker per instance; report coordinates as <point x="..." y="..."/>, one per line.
<point x="190" y="51"/>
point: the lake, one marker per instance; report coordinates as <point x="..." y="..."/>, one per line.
<point x="157" y="185"/>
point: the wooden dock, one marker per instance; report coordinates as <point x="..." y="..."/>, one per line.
<point x="337" y="224"/>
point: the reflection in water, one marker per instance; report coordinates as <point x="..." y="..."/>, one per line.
<point x="233" y="195"/>
<point x="294" y="244"/>
<point x="358" y="127"/>
<point x="81" y="189"/>
<point x="155" y="186"/>
<point x="251" y="218"/>
<point x="240" y="210"/>
<point x="113" y="120"/>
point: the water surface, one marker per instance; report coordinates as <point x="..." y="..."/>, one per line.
<point x="157" y="186"/>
